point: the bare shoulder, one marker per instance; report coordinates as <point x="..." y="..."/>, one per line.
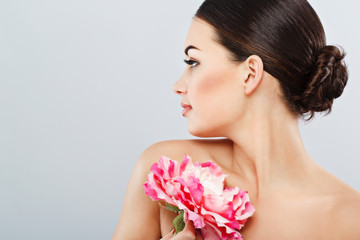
<point x="345" y="211"/>
<point x="348" y="213"/>
<point x="335" y="206"/>
<point x="198" y="149"/>
<point x="140" y="216"/>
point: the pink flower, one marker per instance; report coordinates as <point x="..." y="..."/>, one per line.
<point x="198" y="189"/>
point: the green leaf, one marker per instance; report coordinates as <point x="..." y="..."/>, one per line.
<point x="172" y="207"/>
<point x="179" y="223"/>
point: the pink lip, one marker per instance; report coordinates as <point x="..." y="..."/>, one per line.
<point x="186" y="108"/>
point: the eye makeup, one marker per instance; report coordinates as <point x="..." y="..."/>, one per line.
<point x="191" y="62"/>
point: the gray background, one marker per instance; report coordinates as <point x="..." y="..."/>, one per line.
<point x="85" y="87"/>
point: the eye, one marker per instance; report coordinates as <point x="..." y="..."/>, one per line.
<point x="191" y="62"/>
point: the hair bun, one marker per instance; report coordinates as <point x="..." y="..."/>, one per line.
<point x="327" y="81"/>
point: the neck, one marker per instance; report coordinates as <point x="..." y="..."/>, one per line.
<point x="270" y="155"/>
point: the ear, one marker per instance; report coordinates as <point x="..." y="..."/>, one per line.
<point x="254" y="69"/>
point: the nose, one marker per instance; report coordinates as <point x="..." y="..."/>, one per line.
<point x="179" y="86"/>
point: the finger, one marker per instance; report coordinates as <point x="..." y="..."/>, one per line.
<point x="169" y="235"/>
<point x="187" y="234"/>
<point x="189" y="227"/>
<point x="198" y="236"/>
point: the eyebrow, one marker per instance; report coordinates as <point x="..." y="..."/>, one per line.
<point x="188" y="48"/>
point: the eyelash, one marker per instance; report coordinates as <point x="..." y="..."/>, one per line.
<point x="191" y="62"/>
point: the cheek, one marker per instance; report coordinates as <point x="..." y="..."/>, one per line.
<point x="213" y="91"/>
<point x="215" y="97"/>
<point x="204" y="85"/>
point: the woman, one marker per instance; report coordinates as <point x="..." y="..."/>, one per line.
<point x="254" y="68"/>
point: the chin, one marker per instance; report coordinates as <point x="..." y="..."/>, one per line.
<point x="204" y="132"/>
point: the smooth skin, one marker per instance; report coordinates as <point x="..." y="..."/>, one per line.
<point x="262" y="152"/>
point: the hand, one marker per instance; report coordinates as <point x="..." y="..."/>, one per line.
<point x="188" y="233"/>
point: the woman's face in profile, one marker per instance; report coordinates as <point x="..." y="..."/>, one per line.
<point x="211" y="83"/>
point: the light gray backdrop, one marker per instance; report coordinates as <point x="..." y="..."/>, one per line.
<point x="85" y="87"/>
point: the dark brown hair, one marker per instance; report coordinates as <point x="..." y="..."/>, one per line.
<point x="289" y="38"/>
